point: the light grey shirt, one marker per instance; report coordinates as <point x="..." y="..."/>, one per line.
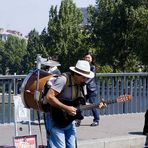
<point x="65" y="92"/>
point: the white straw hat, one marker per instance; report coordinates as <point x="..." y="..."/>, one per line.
<point x="83" y="68"/>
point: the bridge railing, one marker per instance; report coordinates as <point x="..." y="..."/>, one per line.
<point x="110" y="86"/>
<point x="9" y="85"/>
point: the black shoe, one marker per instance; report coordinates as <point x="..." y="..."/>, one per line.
<point x="95" y="123"/>
<point x="78" y="123"/>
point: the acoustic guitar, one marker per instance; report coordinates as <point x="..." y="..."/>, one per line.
<point x="63" y="119"/>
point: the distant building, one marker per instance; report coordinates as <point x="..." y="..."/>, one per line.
<point x="5" y="33"/>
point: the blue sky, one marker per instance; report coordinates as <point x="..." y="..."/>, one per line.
<point x="25" y="15"/>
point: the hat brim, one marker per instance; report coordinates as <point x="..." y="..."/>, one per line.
<point x="90" y="75"/>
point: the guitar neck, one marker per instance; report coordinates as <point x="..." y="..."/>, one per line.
<point x="91" y="106"/>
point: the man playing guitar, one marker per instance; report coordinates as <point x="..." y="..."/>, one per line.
<point x="63" y="135"/>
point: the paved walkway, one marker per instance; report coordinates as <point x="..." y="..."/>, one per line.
<point x="121" y="131"/>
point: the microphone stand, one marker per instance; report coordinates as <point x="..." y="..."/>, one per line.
<point x="37" y="93"/>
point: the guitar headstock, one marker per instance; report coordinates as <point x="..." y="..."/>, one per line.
<point x="124" y="98"/>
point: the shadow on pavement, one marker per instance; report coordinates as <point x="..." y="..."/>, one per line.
<point x="136" y="133"/>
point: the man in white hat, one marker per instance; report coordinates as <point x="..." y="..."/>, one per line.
<point x="64" y="91"/>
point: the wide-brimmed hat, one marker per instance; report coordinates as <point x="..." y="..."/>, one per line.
<point x="83" y="68"/>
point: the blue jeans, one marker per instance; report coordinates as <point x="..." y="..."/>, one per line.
<point x="60" y="137"/>
<point x="92" y="98"/>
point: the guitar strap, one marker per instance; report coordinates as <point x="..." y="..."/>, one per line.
<point x="75" y="89"/>
<point x="83" y="90"/>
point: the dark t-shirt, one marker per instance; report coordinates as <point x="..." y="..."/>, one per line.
<point x="91" y="83"/>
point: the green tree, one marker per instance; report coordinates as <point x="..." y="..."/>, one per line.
<point x="13" y="54"/>
<point x="140" y="33"/>
<point x="2" y="61"/>
<point x="65" y="33"/>
<point x="44" y="41"/>
<point x="35" y="46"/>
<point x="115" y="26"/>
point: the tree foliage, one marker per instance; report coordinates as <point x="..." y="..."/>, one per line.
<point x="117" y="33"/>
<point x="2" y="61"/>
<point x="115" y="24"/>
<point x="34" y="47"/>
<point x="13" y="52"/>
<point x="65" y="33"/>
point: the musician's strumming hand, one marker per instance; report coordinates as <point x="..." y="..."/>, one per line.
<point x="102" y="105"/>
<point x="71" y="110"/>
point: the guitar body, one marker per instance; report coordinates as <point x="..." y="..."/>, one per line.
<point x="62" y="118"/>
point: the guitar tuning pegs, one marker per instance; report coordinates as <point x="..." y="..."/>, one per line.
<point x="102" y="100"/>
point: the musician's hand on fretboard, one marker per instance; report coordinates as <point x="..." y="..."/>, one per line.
<point x="102" y="105"/>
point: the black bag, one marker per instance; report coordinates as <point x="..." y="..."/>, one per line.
<point x="145" y="129"/>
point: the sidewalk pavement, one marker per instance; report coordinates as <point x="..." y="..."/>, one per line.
<point x="114" y="131"/>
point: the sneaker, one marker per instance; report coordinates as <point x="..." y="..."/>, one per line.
<point x="95" y="123"/>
